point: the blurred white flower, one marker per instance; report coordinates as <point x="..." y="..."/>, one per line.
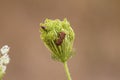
<point x="5" y="49"/>
<point x="4" y="58"/>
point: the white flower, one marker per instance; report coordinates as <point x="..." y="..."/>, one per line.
<point x="5" y="49"/>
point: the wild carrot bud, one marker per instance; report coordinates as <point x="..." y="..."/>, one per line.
<point x="4" y="59"/>
<point x="58" y="36"/>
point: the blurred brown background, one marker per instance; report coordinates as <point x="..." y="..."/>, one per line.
<point x="97" y="44"/>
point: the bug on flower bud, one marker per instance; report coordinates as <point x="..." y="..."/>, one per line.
<point x="58" y="36"/>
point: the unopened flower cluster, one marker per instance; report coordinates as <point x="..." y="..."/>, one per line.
<point x="4" y="59"/>
<point x="58" y="36"/>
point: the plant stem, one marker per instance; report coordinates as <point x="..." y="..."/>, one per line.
<point x="67" y="71"/>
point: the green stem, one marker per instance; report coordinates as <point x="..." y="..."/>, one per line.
<point x="67" y="71"/>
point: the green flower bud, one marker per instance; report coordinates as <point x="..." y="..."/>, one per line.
<point x="58" y="37"/>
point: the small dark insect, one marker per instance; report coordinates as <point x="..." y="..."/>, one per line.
<point x="43" y="27"/>
<point x="62" y="35"/>
<point x="60" y="39"/>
